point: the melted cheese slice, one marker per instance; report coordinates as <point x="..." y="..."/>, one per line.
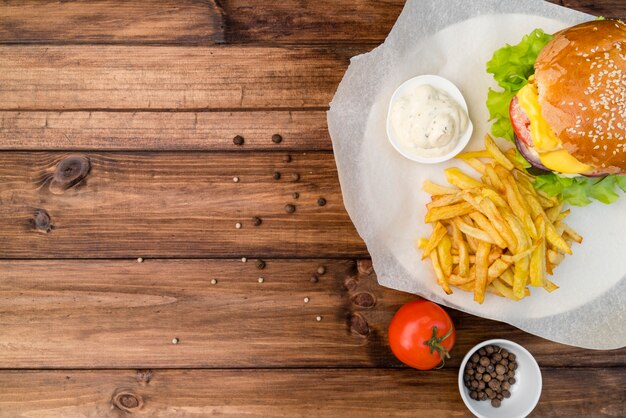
<point x="549" y="147"/>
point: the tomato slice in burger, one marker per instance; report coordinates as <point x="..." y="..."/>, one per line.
<point x="520" y="122"/>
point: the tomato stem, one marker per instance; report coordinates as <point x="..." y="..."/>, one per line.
<point x="435" y="344"/>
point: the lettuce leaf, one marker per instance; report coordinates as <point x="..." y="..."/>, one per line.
<point x="511" y="67"/>
<point x="513" y="64"/>
<point x="578" y="191"/>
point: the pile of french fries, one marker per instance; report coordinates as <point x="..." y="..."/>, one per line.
<point x="496" y="234"/>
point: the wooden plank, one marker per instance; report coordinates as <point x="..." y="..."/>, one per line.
<point x="121" y="313"/>
<point x="102" y="77"/>
<point x="163" y="130"/>
<point x="100" y="205"/>
<point x="111" y="21"/>
<point x="608" y="8"/>
<point x="287" y="393"/>
<point x="202" y="22"/>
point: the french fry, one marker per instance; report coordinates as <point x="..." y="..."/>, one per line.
<point x="461" y="180"/>
<point x="474" y="154"/>
<point x="495" y="180"/>
<point x="573" y="234"/>
<point x="495" y="198"/>
<point x="436" y="190"/>
<point x="447" y="212"/>
<point x="496" y="218"/>
<point x="484" y="224"/>
<point x="549" y="286"/>
<point x="438" y="233"/>
<point x="555" y="257"/>
<point x="476" y="164"/>
<point x="482" y="267"/>
<point x="538" y="257"/>
<point x="473" y="232"/>
<point x="464" y="262"/>
<point x="445" y="200"/>
<point x="511" y="155"/>
<point x="457" y="280"/>
<point x="421" y="243"/>
<point x="507" y="277"/>
<point x="554" y="212"/>
<point x="497" y="154"/>
<point x="564" y="215"/>
<point x="496" y="269"/>
<point x="441" y="278"/>
<point x="444" y="255"/>
<point x="554" y="238"/>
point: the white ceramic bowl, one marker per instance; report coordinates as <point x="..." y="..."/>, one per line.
<point x="441" y="84"/>
<point x="525" y="392"/>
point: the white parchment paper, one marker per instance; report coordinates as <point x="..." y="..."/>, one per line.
<point x="381" y="189"/>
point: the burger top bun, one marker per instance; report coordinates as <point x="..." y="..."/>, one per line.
<point x="581" y="78"/>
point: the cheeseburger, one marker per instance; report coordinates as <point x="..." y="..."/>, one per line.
<point x="571" y="116"/>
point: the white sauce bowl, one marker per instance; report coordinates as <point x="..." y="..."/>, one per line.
<point x="438" y="83"/>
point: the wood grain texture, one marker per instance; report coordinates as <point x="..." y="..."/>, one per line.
<point x="160" y="21"/>
<point x="301" y="131"/>
<point x="173" y="205"/>
<point x="287" y="393"/>
<point x="204" y="22"/>
<point x="126" y="314"/>
<point x="104" y="77"/>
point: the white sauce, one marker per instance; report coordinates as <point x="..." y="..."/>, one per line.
<point x="428" y="122"/>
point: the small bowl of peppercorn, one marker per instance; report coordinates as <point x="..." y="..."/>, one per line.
<point x="500" y="378"/>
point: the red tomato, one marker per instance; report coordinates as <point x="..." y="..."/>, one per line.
<point x="421" y="334"/>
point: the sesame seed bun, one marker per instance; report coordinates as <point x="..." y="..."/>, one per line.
<point x="581" y="77"/>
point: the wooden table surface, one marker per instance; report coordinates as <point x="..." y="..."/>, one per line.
<point x="116" y="143"/>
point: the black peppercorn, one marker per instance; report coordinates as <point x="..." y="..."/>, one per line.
<point x="238" y="140"/>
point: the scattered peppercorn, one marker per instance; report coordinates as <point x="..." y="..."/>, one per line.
<point x="238" y="140"/>
<point x="488" y="374"/>
<point x="321" y="201"/>
<point x="277" y="139"/>
<point x="290" y="208"/>
<point x="257" y="221"/>
<point x="276" y="175"/>
<point x="260" y="264"/>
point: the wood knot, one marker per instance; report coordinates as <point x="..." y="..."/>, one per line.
<point x="70" y="172"/>
<point x="364" y="300"/>
<point x="42" y="221"/>
<point x="350" y="284"/>
<point x="364" y="266"/>
<point x="359" y="324"/>
<point x="126" y="400"/>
